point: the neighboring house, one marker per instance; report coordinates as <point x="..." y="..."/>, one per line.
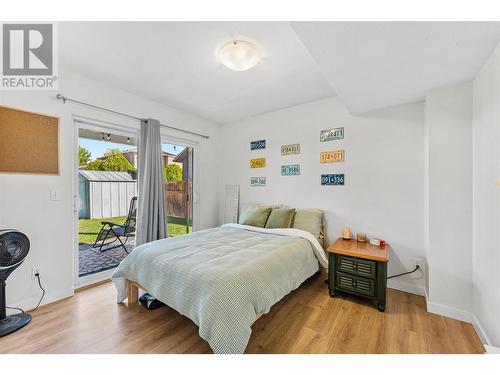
<point x="183" y="159"/>
<point x="131" y="156"/>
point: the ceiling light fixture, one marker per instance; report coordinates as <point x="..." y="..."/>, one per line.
<point x="239" y="55"/>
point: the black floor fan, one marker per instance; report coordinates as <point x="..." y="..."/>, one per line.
<point x="14" y="247"/>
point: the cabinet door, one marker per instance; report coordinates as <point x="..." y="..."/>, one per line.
<point x="355" y="266"/>
<point x="351" y="283"/>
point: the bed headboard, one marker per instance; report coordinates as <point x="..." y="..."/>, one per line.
<point x="322" y="237"/>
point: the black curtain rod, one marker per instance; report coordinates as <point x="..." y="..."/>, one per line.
<point x="66" y="99"/>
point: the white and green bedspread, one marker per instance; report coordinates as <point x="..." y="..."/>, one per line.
<point x="223" y="278"/>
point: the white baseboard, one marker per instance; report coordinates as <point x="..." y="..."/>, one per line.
<point x="406" y="287"/>
<point x="482" y="334"/>
<point x="491" y="349"/>
<point x="462" y="315"/>
<point x="450" y="312"/>
<point x="31" y="303"/>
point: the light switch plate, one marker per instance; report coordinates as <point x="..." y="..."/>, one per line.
<point x="55" y="195"/>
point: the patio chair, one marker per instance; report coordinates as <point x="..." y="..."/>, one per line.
<point x="111" y="232"/>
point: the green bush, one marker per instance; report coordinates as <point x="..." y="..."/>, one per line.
<point x="172" y="172"/>
<point x="83" y="155"/>
<point x="115" y="162"/>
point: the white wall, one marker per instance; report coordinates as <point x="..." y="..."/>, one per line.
<point x="384" y="170"/>
<point x="24" y="199"/>
<point x="448" y="116"/>
<point x="486" y="248"/>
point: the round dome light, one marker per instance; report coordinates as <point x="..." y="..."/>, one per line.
<point x="239" y="55"/>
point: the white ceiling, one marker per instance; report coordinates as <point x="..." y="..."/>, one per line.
<point x="370" y="65"/>
<point x="175" y="63"/>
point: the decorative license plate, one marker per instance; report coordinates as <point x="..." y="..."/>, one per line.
<point x="332" y="179"/>
<point x="290" y="149"/>
<point x="290" y="170"/>
<point x="258" y="163"/>
<point x="331" y="156"/>
<point x="331" y="134"/>
<point x="257" y="181"/>
<point x="258" y="145"/>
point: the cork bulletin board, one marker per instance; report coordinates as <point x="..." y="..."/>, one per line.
<point x="29" y="142"/>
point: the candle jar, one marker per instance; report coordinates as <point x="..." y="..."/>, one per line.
<point x="346" y="233"/>
<point x="361" y="237"/>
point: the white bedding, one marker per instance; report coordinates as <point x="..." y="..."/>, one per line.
<point x="223" y="278"/>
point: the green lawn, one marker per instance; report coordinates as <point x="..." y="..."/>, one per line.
<point x="89" y="228"/>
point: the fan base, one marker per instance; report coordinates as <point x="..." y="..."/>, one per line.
<point x="13" y="322"/>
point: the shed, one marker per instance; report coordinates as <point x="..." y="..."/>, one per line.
<point x="105" y="194"/>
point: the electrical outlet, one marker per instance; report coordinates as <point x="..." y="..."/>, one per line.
<point x="34" y="272"/>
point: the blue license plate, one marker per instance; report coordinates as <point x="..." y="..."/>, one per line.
<point x="290" y="170"/>
<point x="258" y="145"/>
<point x="332" y="179"/>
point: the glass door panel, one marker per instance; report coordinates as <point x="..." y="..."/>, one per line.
<point x="107" y="191"/>
<point x="178" y="176"/>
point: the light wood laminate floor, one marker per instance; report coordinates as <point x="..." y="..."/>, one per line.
<point x="306" y="321"/>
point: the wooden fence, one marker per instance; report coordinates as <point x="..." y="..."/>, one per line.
<point x="178" y="195"/>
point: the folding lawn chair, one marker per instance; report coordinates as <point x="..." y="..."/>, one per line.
<point x="111" y="232"/>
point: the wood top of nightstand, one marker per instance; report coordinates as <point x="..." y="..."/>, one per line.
<point x="361" y="250"/>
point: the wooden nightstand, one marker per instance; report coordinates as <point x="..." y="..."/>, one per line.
<point x="358" y="268"/>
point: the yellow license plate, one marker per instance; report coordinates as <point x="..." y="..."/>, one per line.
<point x="258" y="163"/>
<point x="331" y="156"/>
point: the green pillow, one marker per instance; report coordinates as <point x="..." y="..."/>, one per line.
<point x="308" y="220"/>
<point x="244" y="213"/>
<point x="280" y="218"/>
<point x="255" y="216"/>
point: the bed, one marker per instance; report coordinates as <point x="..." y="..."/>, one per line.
<point x="223" y="278"/>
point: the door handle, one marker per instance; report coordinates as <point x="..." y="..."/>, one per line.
<point x="76" y="203"/>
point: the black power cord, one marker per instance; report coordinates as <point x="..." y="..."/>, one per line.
<point x="37" y="275"/>
<point x="41" y="287"/>
<point x="404" y="273"/>
<point x="15" y="308"/>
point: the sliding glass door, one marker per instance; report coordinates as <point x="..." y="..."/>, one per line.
<point x="107" y="191"/>
<point x="178" y="178"/>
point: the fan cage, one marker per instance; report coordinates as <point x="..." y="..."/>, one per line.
<point x="14" y="247"/>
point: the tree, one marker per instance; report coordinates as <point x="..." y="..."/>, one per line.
<point x="83" y="155"/>
<point x="172" y="172"/>
<point x="115" y="162"/>
<point x="112" y="151"/>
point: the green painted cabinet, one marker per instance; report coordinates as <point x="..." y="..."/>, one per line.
<point x="362" y="277"/>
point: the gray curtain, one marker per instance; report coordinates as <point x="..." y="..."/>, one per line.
<point x="151" y="223"/>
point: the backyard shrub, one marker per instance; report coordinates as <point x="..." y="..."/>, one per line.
<point x="116" y="163"/>
<point x="172" y="172"/>
<point x="83" y="155"/>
